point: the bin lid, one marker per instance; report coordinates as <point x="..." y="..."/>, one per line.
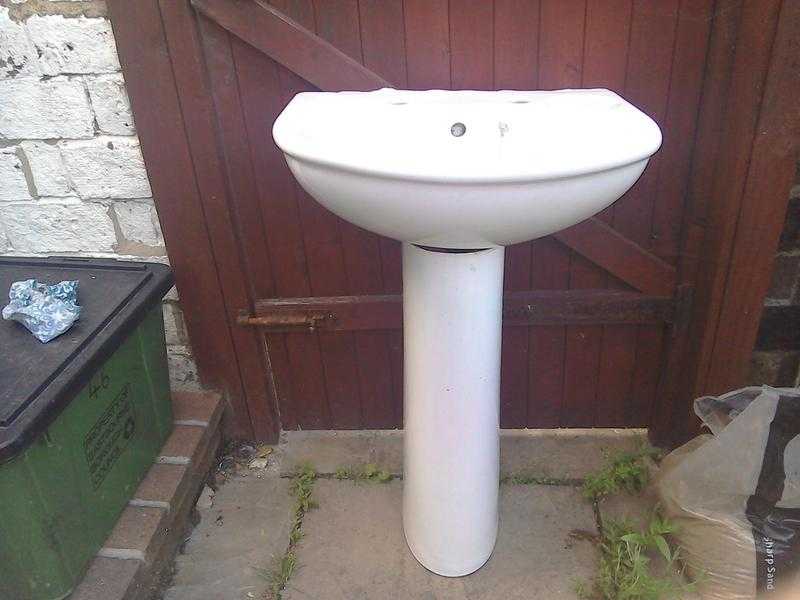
<point x="37" y="381"/>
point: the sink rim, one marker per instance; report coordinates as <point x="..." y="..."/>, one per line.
<point x="282" y="136"/>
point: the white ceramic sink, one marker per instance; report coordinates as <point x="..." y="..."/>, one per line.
<point x="526" y="165"/>
<point x="457" y="176"/>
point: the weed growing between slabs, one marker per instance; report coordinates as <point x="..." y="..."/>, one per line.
<point x="626" y="571"/>
<point x="301" y="488"/>
<point x="625" y="471"/>
<point x="626" y="568"/>
<point x="369" y="473"/>
<point x="523" y="478"/>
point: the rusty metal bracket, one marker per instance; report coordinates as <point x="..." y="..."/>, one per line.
<point x="286" y="322"/>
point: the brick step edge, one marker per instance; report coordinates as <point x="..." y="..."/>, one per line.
<point x="151" y="528"/>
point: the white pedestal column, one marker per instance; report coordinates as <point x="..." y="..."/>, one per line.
<point x="452" y="312"/>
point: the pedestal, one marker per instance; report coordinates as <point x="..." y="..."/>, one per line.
<point x="452" y="316"/>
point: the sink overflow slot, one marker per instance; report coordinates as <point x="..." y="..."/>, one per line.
<point x="458" y="129"/>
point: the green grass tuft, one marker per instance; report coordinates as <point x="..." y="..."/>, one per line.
<point x="370" y="473"/>
<point x="625" y="471"/>
<point x="531" y="479"/>
<point x="301" y="488"/>
<point x="279" y="575"/>
<point x="343" y="473"/>
<point x="625" y="571"/>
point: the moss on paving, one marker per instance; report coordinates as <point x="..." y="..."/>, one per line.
<point x="279" y="575"/>
<point x="369" y="473"/>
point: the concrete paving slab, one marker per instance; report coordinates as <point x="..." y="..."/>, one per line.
<point x="557" y="453"/>
<point x="330" y="450"/>
<point x="354" y="548"/>
<point x="564" y="453"/>
<point x="245" y="528"/>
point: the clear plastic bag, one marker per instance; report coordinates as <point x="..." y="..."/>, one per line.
<point x="735" y="495"/>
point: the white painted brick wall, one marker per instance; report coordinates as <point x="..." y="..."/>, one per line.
<point x="106" y="167"/>
<point x="17" y="54"/>
<point x="138" y="222"/>
<point x="14" y="185"/>
<point x="57" y="225"/>
<point x="76" y="46"/>
<point x="45" y="109"/>
<point x="110" y="104"/>
<point x="47" y="171"/>
<point x="72" y="177"/>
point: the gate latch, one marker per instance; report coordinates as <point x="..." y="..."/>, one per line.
<point x="285" y="322"/>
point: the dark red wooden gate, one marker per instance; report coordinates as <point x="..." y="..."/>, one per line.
<point x="597" y="317"/>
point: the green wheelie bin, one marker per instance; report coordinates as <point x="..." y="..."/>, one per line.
<point x="82" y="418"/>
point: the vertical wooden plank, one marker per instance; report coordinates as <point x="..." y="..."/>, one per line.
<point x="471" y="41"/>
<point x="516" y="44"/>
<point x="674" y="391"/>
<point x="514" y="373"/>
<point x="716" y="82"/>
<point x="770" y="175"/>
<point x="653" y="360"/>
<point x="242" y="195"/>
<point x="691" y="42"/>
<point x="743" y="98"/>
<point x="644" y="387"/>
<point x="385" y="47"/>
<point x="337" y="22"/>
<point x="561" y="33"/>
<point x="652" y="42"/>
<point x="391" y="258"/>
<point x="383" y="39"/>
<point x="141" y="42"/>
<point x="326" y="271"/>
<point x="627" y="376"/>
<point x="383" y="29"/>
<point x="665" y="428"/>
<point x="328" y="278"/>
<point x="562" y="25"/>
<point x="362" y="252"/>
<point x="691" y="46"/>
<point x="235" y="152"/>
<point x="581" y="368"/>
<point x="200" y="128"/>
<point x="516" y="28"/>
<point x="301" y="393"/>
<point x="750" y="88"/>
<point x="605" y="56"/>
<point x="427" y="28"/>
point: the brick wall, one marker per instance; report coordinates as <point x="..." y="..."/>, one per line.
<point x="72" y="178"/>
<point x="776" y="360"/>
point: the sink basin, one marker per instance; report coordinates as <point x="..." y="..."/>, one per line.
<point x="457" y="176"/>
<point x="465" y="169"/>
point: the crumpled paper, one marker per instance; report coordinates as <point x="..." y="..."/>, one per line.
<point x="46" y="310"/>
